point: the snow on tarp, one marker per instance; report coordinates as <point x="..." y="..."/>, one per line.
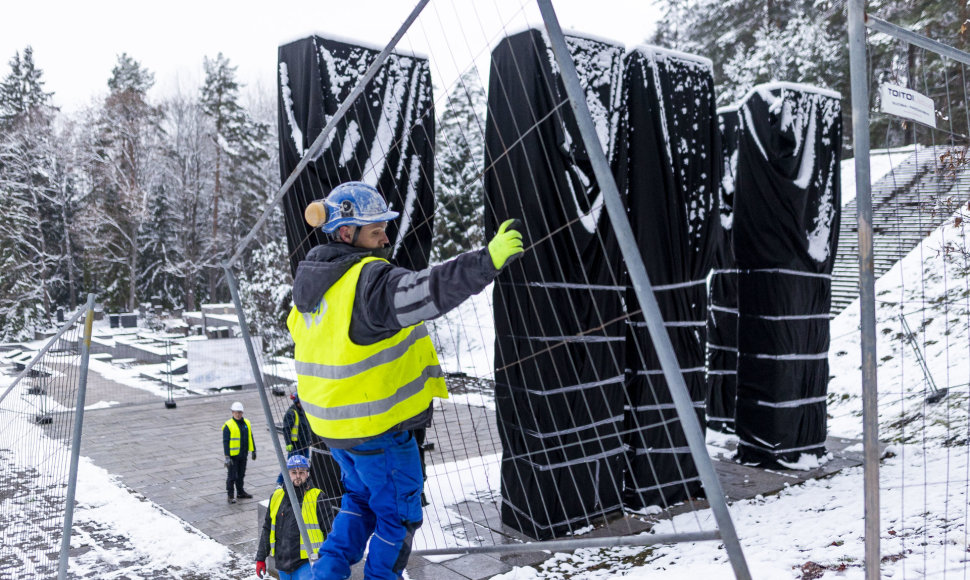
<point x="785" y="233"/>
<point x="669" y="170"/>
<point x="559" y="331"/>
<point x="386" y="139"/>
<point x="722" y="319"/>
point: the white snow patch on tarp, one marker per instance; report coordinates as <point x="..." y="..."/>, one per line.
<point x="287" y="95"/>
<point x="351" y="139"/>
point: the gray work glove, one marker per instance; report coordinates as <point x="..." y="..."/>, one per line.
<point x="228" y="462"/>
<point x="254" y="455"/>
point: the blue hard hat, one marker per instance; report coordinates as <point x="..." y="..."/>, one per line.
<point x="297" y="462"/>
<point x="355" y="204"/>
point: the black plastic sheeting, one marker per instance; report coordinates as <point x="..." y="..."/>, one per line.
<point x="786" y="224"/>
<point x="559" y="325"/>
<point x="386" y="139"/>
<point x="669" y="170"/>
<point x="722" y="319"/>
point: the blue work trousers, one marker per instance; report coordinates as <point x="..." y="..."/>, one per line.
<point x="381" y="503"/>
<point x="301" y="573"/>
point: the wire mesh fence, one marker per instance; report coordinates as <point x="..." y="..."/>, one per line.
<point x="543" y="434"/>
<point x="919" y="197"/>
<point x="39" y="439"/>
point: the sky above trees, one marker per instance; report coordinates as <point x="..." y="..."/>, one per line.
<point x="77" y="43"/>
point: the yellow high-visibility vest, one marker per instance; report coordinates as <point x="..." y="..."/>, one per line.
<point x="294" y="430"/>
<point x="234" y="436"/>
<point x="351" y="391"/>
<point x="309" y="510"/>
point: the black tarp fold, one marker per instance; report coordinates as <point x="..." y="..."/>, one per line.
<point x="668" y="168"/>
<point x="722" y="318"/>
<point x="558" y="310"/>
<point x="386" y="139"/>
<point x="786" y="223"/>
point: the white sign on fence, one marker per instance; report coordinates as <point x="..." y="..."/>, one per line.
<point x="214" y="364"/>
<point x="903" y="102"/>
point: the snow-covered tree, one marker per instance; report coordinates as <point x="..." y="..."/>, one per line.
<point x="239" y="146"/>
<point x="188" y="173"/>
<point x="160" y="251"/>
<point x="126" y="168"/>
<point x="800" y="51"/>
<point x="752" y="42"/>
<point x="30" y="234"/>
<point x="266" y="292"/>
<point x="460" y="153"/>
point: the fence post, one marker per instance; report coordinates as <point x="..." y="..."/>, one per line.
<point x="82" y="386"/>
<point x="867" y="284"/>
<point x="258" y="378"/>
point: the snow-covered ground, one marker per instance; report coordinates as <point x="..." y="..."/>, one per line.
<point x="117" y="533"/>
<point x="811" y="530"/>
<point x="816" y="529"/>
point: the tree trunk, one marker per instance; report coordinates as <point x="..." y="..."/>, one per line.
<point x="42" y="258"/>
<point x="68" y="256"/>
<point x="133" y="270"/>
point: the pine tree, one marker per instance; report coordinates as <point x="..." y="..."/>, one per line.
<point x="22" y="94"/>
<point x="30" y="233"/>
<point x="460" y="151"/>
<point x="239" y="148"/>
<point x="160" y="252"/>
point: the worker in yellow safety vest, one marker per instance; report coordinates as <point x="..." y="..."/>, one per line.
<point x="237" y="444"/>
<point x="280" y="537"/>
<point x="367" y="370"/>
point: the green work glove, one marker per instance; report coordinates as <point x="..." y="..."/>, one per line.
<point x="506" y="245"/>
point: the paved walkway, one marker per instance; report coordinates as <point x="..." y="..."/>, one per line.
<point x="174" y="458"/>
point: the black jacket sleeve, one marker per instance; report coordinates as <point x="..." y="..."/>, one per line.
<point x="390" y="298"/>
<point x="288" y="418"/>
<point x="262" y="548"/>
<point x="225" y="441"/>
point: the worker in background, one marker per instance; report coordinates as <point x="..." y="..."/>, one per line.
<point x="280" y="537"/>
<point x="297" y="430"/>
<point x="237" y="444"/>
<point x="368" y="372"/>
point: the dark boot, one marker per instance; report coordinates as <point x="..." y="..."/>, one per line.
<point x="232" y="499"/>
<point x="244" y="495"/>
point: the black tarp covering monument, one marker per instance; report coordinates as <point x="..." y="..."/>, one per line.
<point x="722" y="318"/>
<point x="668" y="168"/>
<point x="786" y="224"/>
<point x="558" y="312"/>
<point x="386" y="139"/>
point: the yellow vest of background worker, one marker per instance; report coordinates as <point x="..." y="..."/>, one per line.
<point x="309" y="510"/>
<point x="234" y="436"/>
<point x="351" y="391"/>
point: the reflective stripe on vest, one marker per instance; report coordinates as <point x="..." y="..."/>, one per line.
<point x="295" y="429"/>
<point x="234" y="436"/>
<point x="309" y="511"/>
<point x="351" y="391"/>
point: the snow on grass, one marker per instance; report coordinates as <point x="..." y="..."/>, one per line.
<point x="816" y="525"/>
<point x="930" y="289"/>
<point x="465" y="337"/>
<point x="881" y="163"/>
